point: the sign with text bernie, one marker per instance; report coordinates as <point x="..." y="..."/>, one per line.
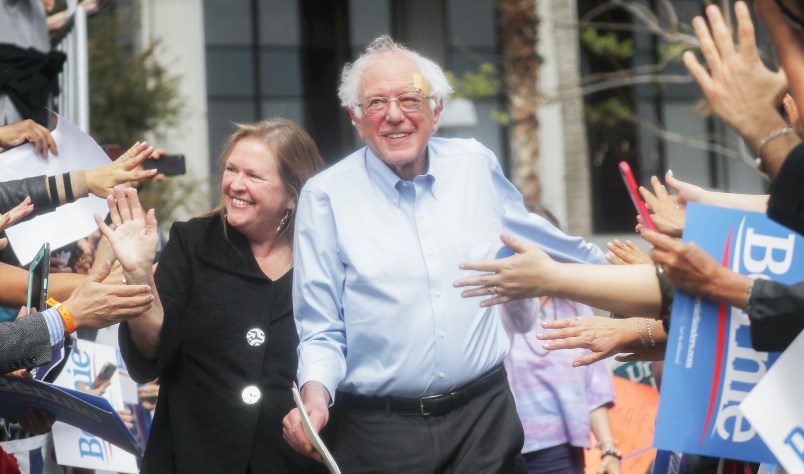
<point x="710" y="365"/>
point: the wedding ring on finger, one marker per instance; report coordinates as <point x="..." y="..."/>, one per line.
<point x="493" y="290"/>
<point x="576" y="322"/>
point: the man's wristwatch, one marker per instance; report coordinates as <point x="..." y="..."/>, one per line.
<point x="611" y="452"/>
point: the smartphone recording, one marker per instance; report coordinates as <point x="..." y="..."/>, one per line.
<point x="168" y="165"/>
<point x="37" y="279"/>
<point x="636" y="199"/>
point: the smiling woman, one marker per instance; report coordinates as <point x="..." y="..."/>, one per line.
<point x="221" y="337"/>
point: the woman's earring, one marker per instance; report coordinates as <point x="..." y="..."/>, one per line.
<point x="284" y="221"/>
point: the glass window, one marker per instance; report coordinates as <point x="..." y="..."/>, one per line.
<point x="368" y="19"/>
<point x="222" y="115"/>
<point x="279" y="22"/>
<point x="688" y="163"/>
<point x="464" y="26"/>
<point x="230" y="72"/>
<point x="280" y="73"/>
<point x="291" y="108"/>
<point x="227" y="22"/>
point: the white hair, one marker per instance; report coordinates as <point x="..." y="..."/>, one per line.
<point x="352" y="75"/>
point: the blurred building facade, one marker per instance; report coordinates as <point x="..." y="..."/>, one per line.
<point x="251" y="59"/>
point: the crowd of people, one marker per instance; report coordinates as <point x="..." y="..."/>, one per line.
<point x="432" y="321"/>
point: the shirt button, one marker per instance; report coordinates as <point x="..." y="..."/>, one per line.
<point x="251" y="394"/>
<point x="255" y="337"/>
<point x="437" y="294"/>
<point x="442" y="333"/>
<point x="442" y="374"/>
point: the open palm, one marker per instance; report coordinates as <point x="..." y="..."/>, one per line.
<point x="133" y="233"/>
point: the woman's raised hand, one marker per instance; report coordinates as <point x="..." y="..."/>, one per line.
<point x="132" y="234"/>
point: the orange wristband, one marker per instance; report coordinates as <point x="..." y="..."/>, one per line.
<point x="66" y="316"/>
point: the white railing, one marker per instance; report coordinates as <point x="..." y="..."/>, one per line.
<point x="73" y="101"/>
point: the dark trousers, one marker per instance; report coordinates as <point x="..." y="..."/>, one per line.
<point x="483" y="436"/>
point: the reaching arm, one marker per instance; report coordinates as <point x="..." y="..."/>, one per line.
<point x="14" y="290"/>
<point x="605" y="337"/>
<point x="624" y="289"/>
<point x="691" y="269"/>
<point x="742" y="91"/>
<point x="125" y="169"/>
<point x="134" y="239"/>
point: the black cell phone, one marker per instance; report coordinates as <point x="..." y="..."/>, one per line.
<point x="106" y="372"/>
<point x="168" y="165"/>
<point x="37" y="278"/>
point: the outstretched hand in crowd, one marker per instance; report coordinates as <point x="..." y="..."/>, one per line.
<point x="27" y="130"/>
<point x="13" y="216"/>
<point x="604" y="337"/>
<point x="526" y="274"/>
<point x="125" y="169"/>
<point x="625" y="253"/>
<point x="132" y="234"/>
<point x="667" y="214"/>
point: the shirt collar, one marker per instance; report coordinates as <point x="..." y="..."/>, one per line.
<point x="388" y="182"/>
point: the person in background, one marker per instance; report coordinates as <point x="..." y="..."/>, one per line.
<point x="557" y="403"/>
<point x="29" y="69"/>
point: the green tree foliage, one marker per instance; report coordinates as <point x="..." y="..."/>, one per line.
<point x="608" y="113"/>
<point x="479" y="84"/>
<point x="607" y="44"/>
<point x="482" y="83"/>
<point x="131" y="94"/>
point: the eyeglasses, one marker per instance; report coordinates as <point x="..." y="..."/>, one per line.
<point x="406" y="102"/>
<point x="791" y="17"/>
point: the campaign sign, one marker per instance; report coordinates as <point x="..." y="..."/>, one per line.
<point x="79" y="448"/>
<point x="88" y="412"/>
<point x="775" y="408"/>
<point x="710" y="365"/>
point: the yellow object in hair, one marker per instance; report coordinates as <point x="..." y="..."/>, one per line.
<point x="420" y="84"/>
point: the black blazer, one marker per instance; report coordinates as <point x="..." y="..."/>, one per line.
<point x="216" y="299"/>
<point x="777" y="310"/>
<point x="786" y="203"/>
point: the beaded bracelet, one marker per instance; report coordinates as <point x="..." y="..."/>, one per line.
<point x="639" y="331"/>
<point x="650" y="333"/>
<point x="771" y="136"/>
<point x="611" y="452"/>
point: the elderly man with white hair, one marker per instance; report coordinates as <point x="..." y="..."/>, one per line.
<point x="413" y="369"/>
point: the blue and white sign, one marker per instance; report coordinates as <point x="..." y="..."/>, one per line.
<point x="710" y="366"/>
<point x="774" y="408"/>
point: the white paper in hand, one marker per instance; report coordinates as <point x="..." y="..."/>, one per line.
<point x="69" y="222"/>
<point x="312" y="435"/>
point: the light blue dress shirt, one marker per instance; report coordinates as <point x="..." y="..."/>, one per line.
<point x="55" y="326"/>
<point x="375" y="259"/>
